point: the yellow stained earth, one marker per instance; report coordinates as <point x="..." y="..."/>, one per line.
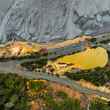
<point x="23" y="48"/>
<point x="88" y="59"/>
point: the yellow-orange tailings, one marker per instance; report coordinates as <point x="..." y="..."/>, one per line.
<point x="88" y="59"/>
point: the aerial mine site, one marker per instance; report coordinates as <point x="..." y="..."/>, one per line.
<point x="54" y="55"/>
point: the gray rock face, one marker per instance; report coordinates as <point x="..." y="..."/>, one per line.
<point x="47" y="20"/>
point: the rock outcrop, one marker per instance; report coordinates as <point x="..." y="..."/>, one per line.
<point x="46" y="20"/>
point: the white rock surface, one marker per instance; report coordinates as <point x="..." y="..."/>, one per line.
<point x="46" y="20"/>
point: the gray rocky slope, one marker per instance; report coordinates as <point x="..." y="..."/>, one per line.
<point x="47" y="20"/>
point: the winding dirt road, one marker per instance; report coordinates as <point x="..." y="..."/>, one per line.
<point x="14" y="68"/>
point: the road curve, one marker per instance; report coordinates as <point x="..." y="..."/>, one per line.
<point x="14" y="68"/>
